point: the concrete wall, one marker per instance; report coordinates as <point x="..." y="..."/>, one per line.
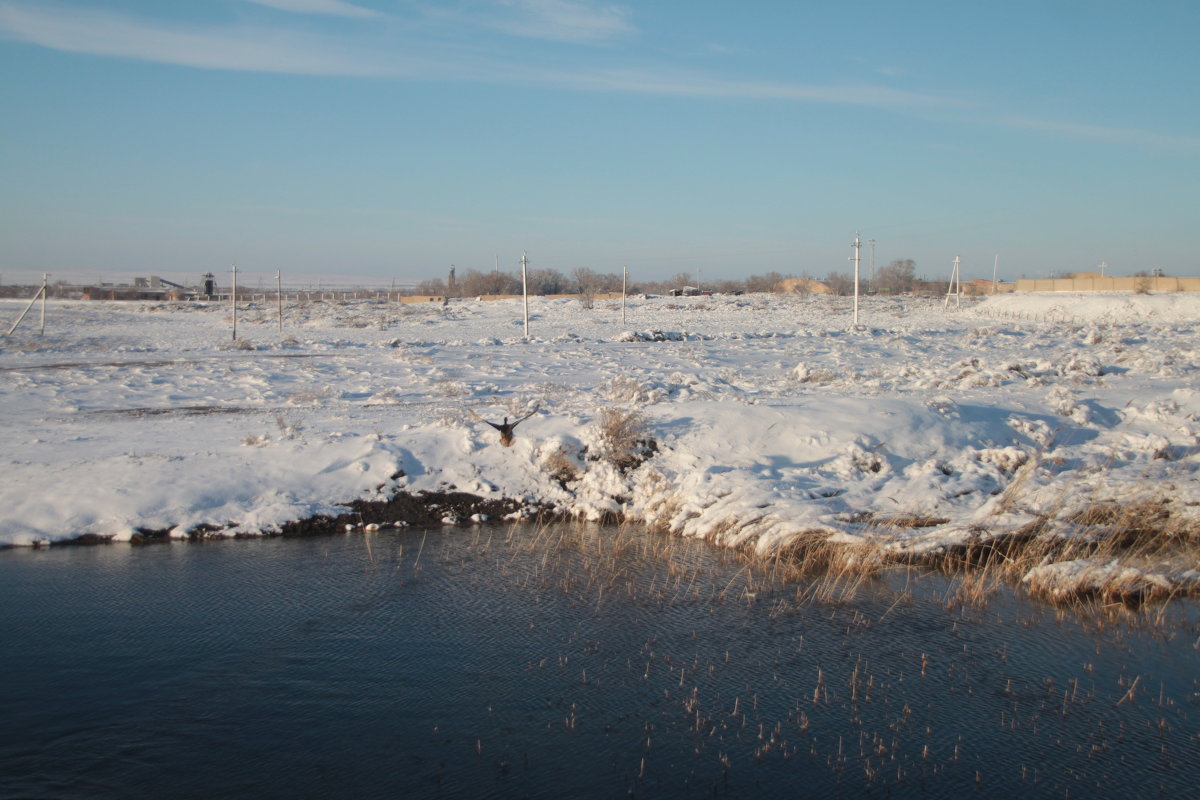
<point x="1108" y="284"/>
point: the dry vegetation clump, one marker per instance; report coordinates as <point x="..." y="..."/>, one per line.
<point x="829" y="571"/>
<point x="622" y="389"/>
<point x="906" y="521"/>
<point x="622" y="438"/>
<point x="1107" y="551"/>
<point x="1129" y="524"/>
<point x="559" y="462"/>
<point x="450" y="388"/>
<point x="803" y="373"/>
<point x="314" y="395"/>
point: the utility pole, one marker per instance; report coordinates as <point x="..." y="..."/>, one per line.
<point x="525" y="289"/>
<point x="872" y="285"/>
<point x="279" y="297"/>
<point x="995" y="266"/>
<point x="1103" y="266"/>
<point x="624" y="284"/>
<point x="955" y="277"/>
<point x="233" y="301"/>
<point x="857" y="251"/>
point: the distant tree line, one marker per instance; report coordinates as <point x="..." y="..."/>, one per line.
<point x="473" y="283"/>
<point x="898" y="277"/>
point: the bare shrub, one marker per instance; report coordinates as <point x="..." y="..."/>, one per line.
<point x="623" y="389"/>
<point x="316" y="394"/>
<point x="448" y="387"/>
<point x="621" y="437"/>
<point x="560" y="461"/>
<point x="803" y="373"/>
<point x="588" y="282"/>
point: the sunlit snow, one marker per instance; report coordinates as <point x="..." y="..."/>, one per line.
<point x="773" y="417"/>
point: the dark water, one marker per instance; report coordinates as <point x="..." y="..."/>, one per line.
<point x="562" y="663"/>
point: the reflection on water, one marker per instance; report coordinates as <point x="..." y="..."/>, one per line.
<point x="561" y="662"/>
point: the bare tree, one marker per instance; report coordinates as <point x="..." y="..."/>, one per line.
<point x="839" y="283"/>
<point x="896" y="277"/>
<point x="434" y="287"/>
<point x="587" y="284"/>
<point x="546" y="281"/>
<point x="764" y="283"/>
<point x="610" y="282"/>
<point x="476" y="283"/>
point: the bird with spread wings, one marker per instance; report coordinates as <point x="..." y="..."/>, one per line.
<point x="506" y="428"/>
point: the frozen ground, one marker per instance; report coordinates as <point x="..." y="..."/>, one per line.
<point x="773" y="417"/>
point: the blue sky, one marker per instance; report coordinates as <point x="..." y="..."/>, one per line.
<point x="394" y="138"/>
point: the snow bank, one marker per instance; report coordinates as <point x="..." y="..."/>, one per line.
<point x="772" y="417"/>
<point x="1083" y="578"/>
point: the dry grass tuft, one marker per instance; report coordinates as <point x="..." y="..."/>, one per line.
<point x="622" y="438"/>
<point x="560" y="464"/>
<point x="622" y="389"/>
<point x="906" y="521"/>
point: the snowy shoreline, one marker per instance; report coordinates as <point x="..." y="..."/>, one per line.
<point x="924" y="430"/>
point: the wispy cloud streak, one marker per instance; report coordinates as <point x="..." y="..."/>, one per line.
<point x="335" y="8"/>
<point x="562" y="20"/>
<point x="385" y="52"/>
<point x="1102" y="133"/>
<point x="246" y="49"/>
<point x="271" y="50"/>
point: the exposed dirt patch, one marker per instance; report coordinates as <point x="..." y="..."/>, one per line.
<point x="181" y="410"/>
<point x="420" y="510"/>
<point x="423" y="509"/>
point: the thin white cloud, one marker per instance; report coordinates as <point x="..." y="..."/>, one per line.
<point x="281" y="50"/>
<point x="561" y="20"/>
<point x="336" y="8"/>
<point x="272" y="50"/>
<point x="1102" y="133"/>
<point x="699" y="85"/>
<point x="246" y="49"/>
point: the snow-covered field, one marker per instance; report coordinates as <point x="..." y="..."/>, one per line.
<point x="773" y="417"/>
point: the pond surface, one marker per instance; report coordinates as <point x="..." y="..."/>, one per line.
<point x="564" y="662"/>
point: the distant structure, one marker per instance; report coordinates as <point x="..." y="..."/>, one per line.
<point x="803" y="286"/>
<point x="143" y="288"/>
<point x="451" y="283"/>
<point x="1097" y="282"/>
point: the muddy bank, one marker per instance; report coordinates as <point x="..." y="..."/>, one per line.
<point x="419" y="509"/>
<point x="1110" y="560"/>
